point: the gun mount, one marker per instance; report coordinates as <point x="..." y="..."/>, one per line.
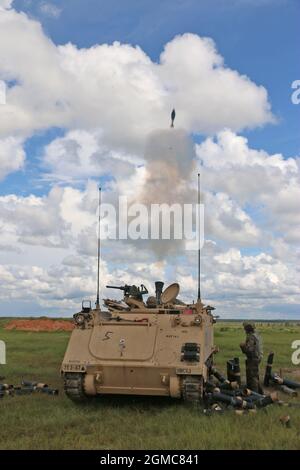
<point x="131" y="291"/>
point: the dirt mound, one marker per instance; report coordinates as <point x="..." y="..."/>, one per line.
<point x="40" y="325"/>
<point x="287" y="372"/>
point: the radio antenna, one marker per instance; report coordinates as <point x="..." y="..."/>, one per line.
<point x="199" y="257"/>
<point x="99" y="253"/>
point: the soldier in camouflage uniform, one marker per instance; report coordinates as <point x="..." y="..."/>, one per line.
<point x="252" y="348"/>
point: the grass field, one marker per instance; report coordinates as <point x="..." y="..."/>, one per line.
<point x="50" y="422"/>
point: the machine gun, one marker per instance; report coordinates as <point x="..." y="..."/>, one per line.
<point x="132" y="291"/>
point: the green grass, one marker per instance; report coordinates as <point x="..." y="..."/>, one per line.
<point x="47" y="422"/>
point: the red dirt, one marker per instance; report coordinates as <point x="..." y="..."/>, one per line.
<point x="40" y="325"/>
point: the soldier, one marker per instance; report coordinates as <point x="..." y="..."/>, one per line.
<point x="252" y="348"/>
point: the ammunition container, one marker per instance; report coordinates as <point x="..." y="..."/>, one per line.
<point x="218" y="376"/>
<point x="268" y="371"/>
<point x="237" y="370"/>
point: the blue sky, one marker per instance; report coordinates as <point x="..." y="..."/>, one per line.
<point x="256" y="38"/>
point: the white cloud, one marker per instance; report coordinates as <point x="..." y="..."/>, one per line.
<point x="118" y="89"/>
<point x="6" y="4"/>
<point x="49" y="9"/>
<point x="244" y="285"/>
<point x="81" y="154"/>
<point x="227" y="222"/>
<point x="34" y="220"/>
<point x="269" y="184"/>
<point x="238" y="284"/>
<point x="12" y="155"/>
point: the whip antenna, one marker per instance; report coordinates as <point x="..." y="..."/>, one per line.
<point x="199" y="257"/>
<point x="99" y="253"/>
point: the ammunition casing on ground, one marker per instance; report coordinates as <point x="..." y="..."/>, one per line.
<point x="41" y="385"/>
<point x="216" y="407"/>
<point x="252" y="396"/>
<point x="49" y="391"/>
<point x="256" y="394"/>
<point x="24" y="391"/>
<point x="26" y="388"/>
<point x="6" y="387"/>
<point x="210" y="386"/>
<point x="252" y="399"/>
<point x="288" y="390"/>
<point x="236" y="402"/>
<point x="223" y="398"/>
<point x="241" y="403"/>
<point x="26" y="383"/>
<point x="231" y="393"/>
<point x="276" y="379"/>
<point x="267" y="400"/>
<point x="281" y="381"/>
<point x="218" y="376"/>
<point x="229" y="385"/>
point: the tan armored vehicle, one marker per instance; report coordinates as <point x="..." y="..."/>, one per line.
<point x="158" y="347"/>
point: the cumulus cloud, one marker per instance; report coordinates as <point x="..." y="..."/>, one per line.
<point x="35" y="220"/>
<point x="242" y="285"/>
<point x="49" y="9"/>
<point x="268" y="184"/>
<point x="6" y="4"/>
<point x="226" y="221"/>
<point x="239" y="285"/>
<point x="12" y="155"/>
<point x="119" y="89"/>
<point x="81" y="154"/>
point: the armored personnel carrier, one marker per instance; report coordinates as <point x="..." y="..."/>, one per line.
<point x="160" y="346"/>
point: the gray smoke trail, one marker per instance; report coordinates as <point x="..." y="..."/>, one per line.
<point x="170" y="161"/>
